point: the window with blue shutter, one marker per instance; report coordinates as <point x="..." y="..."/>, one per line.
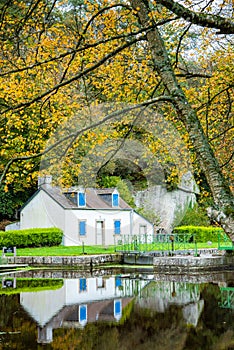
<point x="117" y="308"/>
<point x="83" y="284"/>
<point x="115" y="200"/>
<point x="117" y="225"/>
<point x="83" y="313"/>
<point x="81" y="199"/>
<point x="118" y="282"/>
<point x="82" y="228"/>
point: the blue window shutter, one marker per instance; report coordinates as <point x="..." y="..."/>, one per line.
<point x="83" y="313"/>
<point x="117" y="306"/>
<point x="115" y="200"/>
<point x="117" y="224"/>
<point x="83" y="286"/>
<point x="81" y="199"/>
<point x="118" y="282"/>
<point x="82" y="228"/>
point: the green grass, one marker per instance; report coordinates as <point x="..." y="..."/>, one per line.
<point x="87" y="250"/>
<point x="64" y="251"/>
<point x="32" y="285"/>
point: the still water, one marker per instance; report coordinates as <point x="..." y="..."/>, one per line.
<point x="112" y="310"/>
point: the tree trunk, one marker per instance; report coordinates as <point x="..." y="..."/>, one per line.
<point x="221" y="192"/>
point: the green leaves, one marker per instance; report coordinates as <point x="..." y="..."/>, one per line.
<point x="37" y="237"/>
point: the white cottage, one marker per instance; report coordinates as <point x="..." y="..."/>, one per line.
<point x="78" y="302"/>
<point x="91" y="216"/>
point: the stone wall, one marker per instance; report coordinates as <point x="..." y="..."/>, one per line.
<point x="85" y="262"/>
<point x="171" y="206"/>
<point x="185" y="264"/>
<point x="174" y="264"/>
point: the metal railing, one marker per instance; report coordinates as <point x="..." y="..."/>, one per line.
<point x="227" y="297"/>
<point x="224" y="242"/>
<point x="163" y="243"/>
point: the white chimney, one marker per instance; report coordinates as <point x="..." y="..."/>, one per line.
<point x="45" y="180"/>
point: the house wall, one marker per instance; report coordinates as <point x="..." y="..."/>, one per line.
<point x="130" y="223"/>
<point x="42" y="211"/>
<point x="71" y="234"/>
<point x="44" y="305"/>
<point x="141" y="225"/>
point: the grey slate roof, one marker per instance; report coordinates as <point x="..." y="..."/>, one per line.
<point x="93" y="198"/>
<point x="57" y="194"/>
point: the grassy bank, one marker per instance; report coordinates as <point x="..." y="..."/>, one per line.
<point x="31" y="285"/>
<point x="65" y="251"/>
<point x="80" y="250"/>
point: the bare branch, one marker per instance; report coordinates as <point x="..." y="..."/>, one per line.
<point x="180" y="42"/>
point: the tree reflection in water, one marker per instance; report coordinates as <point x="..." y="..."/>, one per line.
<point x="118" y="312"/>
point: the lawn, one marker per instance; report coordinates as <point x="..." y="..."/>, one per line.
<point x="64" y="251"/>
<point x="89" y="250"/>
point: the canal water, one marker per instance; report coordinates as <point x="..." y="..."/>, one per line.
<point x="116" y="310"/>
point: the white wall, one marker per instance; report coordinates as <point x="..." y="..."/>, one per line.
<point x="130" y="223"/>
<point x="44" y="305"/>
<point x="42" y="211"/>
<point x="92" y="216"/>
<point x="92" y="292"/>
<point x="139" y="221"/>
<point x="13" y="226"/>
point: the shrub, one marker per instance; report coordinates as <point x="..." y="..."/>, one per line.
<point x="195" y="216"/>
<point x="203" y="234"/>
<point x="32" y="285"/>
<point x="35" y="237"/>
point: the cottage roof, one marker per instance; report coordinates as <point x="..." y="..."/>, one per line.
<point x="57" y="194"/>
<point x="94" y="198"/>
<point x="105" y="190"/>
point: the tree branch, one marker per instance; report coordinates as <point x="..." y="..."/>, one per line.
<point x="190" y="75"/>
<point x="75" y="77"/>
<point x="224" y="25"/>
<point x="228" y="161"/>
<point x="86" y="128"/>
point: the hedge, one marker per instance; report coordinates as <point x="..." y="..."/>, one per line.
<point x="35" y="237"/>
<point x="32" y="285"/>
<point x="202" y="233"/>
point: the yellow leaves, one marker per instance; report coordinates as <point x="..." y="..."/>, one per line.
<point x="126" y="77"/>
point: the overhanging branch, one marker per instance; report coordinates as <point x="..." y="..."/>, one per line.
<point x="224" y="25"/>
<point x="74" y="135"/>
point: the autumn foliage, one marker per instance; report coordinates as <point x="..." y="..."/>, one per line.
<point x="61" y="60"/>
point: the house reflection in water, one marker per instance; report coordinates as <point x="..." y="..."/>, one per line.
<point x="159" y="296"/>
<point x="85" y="300"/>
<point x="78" y="302"/>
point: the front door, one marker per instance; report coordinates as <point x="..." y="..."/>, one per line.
<point x="99" y="232"/>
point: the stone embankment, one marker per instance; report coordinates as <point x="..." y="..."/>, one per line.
<point x="205" y="261"/>
<point x="85" y="261"/>
<point x="180" y="264"/>
<point x="210" y="259"/>
<point x="222" y="278"/>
